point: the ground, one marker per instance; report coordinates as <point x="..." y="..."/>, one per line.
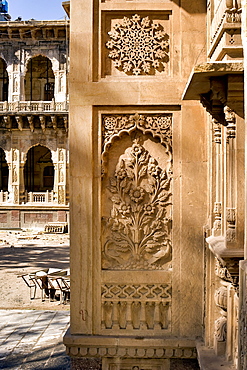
<point x="24" y="252"/>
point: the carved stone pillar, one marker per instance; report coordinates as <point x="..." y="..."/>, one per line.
<point x="60" y="175"/>
<point x="16" y="183"/>
<point x="217" y="226"/>
<point x="230" y="183"/>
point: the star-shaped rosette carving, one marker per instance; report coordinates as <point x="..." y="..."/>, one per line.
<point x="138" y="46"/>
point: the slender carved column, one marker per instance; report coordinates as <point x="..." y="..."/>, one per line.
<point x="230" y="175"/>
<point x="61" y="176"/>
<point x="217" y="226"/>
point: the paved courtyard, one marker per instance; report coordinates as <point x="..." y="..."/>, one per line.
<point x="31" y="331"/>
<point x="32" y="339"/>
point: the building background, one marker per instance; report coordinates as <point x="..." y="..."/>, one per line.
<point x="33" y="122"/>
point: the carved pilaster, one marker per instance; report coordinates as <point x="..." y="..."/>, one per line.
<point x="217" y="131"/>
<point x="231" y="122"/>
<point x="231" y="225"/>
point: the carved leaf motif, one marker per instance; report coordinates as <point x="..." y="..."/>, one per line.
<point x="138" y="236"/>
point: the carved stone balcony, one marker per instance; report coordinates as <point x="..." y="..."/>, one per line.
<point x="34" y="115"/>
<point x="39" y="197"/>
<point x="4" y="196"/>
<point x="225" y="31"/>
<point x="33" y="106"/>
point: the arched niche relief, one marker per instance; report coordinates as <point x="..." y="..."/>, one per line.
<point x="137" y="193"/>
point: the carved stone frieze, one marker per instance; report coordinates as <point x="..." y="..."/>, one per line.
<point x="144" y="292"/>
<point x="138" y="232"/>
<point x="158" y="125"/>
<point x="138" y="45"/>
<point x="130" y="352"/>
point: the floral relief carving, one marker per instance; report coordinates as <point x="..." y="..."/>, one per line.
<point x="159" y="125"/>
<point x="138" y="46"/>
<point x="138" y="232"/>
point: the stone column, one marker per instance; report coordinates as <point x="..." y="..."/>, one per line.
<point x="61" y="168"/>
<point x="59" y="162"/>
<point x="231" y="175"/>
<point x="217" y="226"/>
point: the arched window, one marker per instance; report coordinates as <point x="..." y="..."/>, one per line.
<point x="4" y="81"/>
<point x="39" y="79"/>
<point x="39" y="170"/>
<point x="4" y="171"/>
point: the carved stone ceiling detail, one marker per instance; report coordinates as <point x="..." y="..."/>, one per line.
<point x="138" y="46"/>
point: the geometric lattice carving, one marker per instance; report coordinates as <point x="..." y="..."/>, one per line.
<point x="139" y="292"/>
<point x="138" y="233"/>
<point x="138" y="46"/>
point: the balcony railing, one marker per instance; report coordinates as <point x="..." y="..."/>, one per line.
<point x="228" y="11"/>
<point x="40" y="197"/>
<point x="4" y="196"/>
<point x="33" y="106"/>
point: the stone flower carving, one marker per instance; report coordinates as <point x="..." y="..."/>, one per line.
<point x="138" y="46"/>
<point x="139" y="229"/>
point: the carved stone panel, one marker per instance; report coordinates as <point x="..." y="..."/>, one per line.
<point x="138" y="45"/>
<point x="137" y="200"/>
<point x="139" y="306"/>
<point x="139" y="226"/>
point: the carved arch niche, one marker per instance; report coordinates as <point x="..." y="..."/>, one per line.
<point x="136" y="192"/>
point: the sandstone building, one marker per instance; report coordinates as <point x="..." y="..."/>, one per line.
<point x="33" y="122"/>
<point x="157" y="159"/>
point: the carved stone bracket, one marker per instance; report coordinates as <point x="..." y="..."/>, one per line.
<point x="227" y="266"/>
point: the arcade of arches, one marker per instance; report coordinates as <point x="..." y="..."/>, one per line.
<point x="33" y="123"/>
